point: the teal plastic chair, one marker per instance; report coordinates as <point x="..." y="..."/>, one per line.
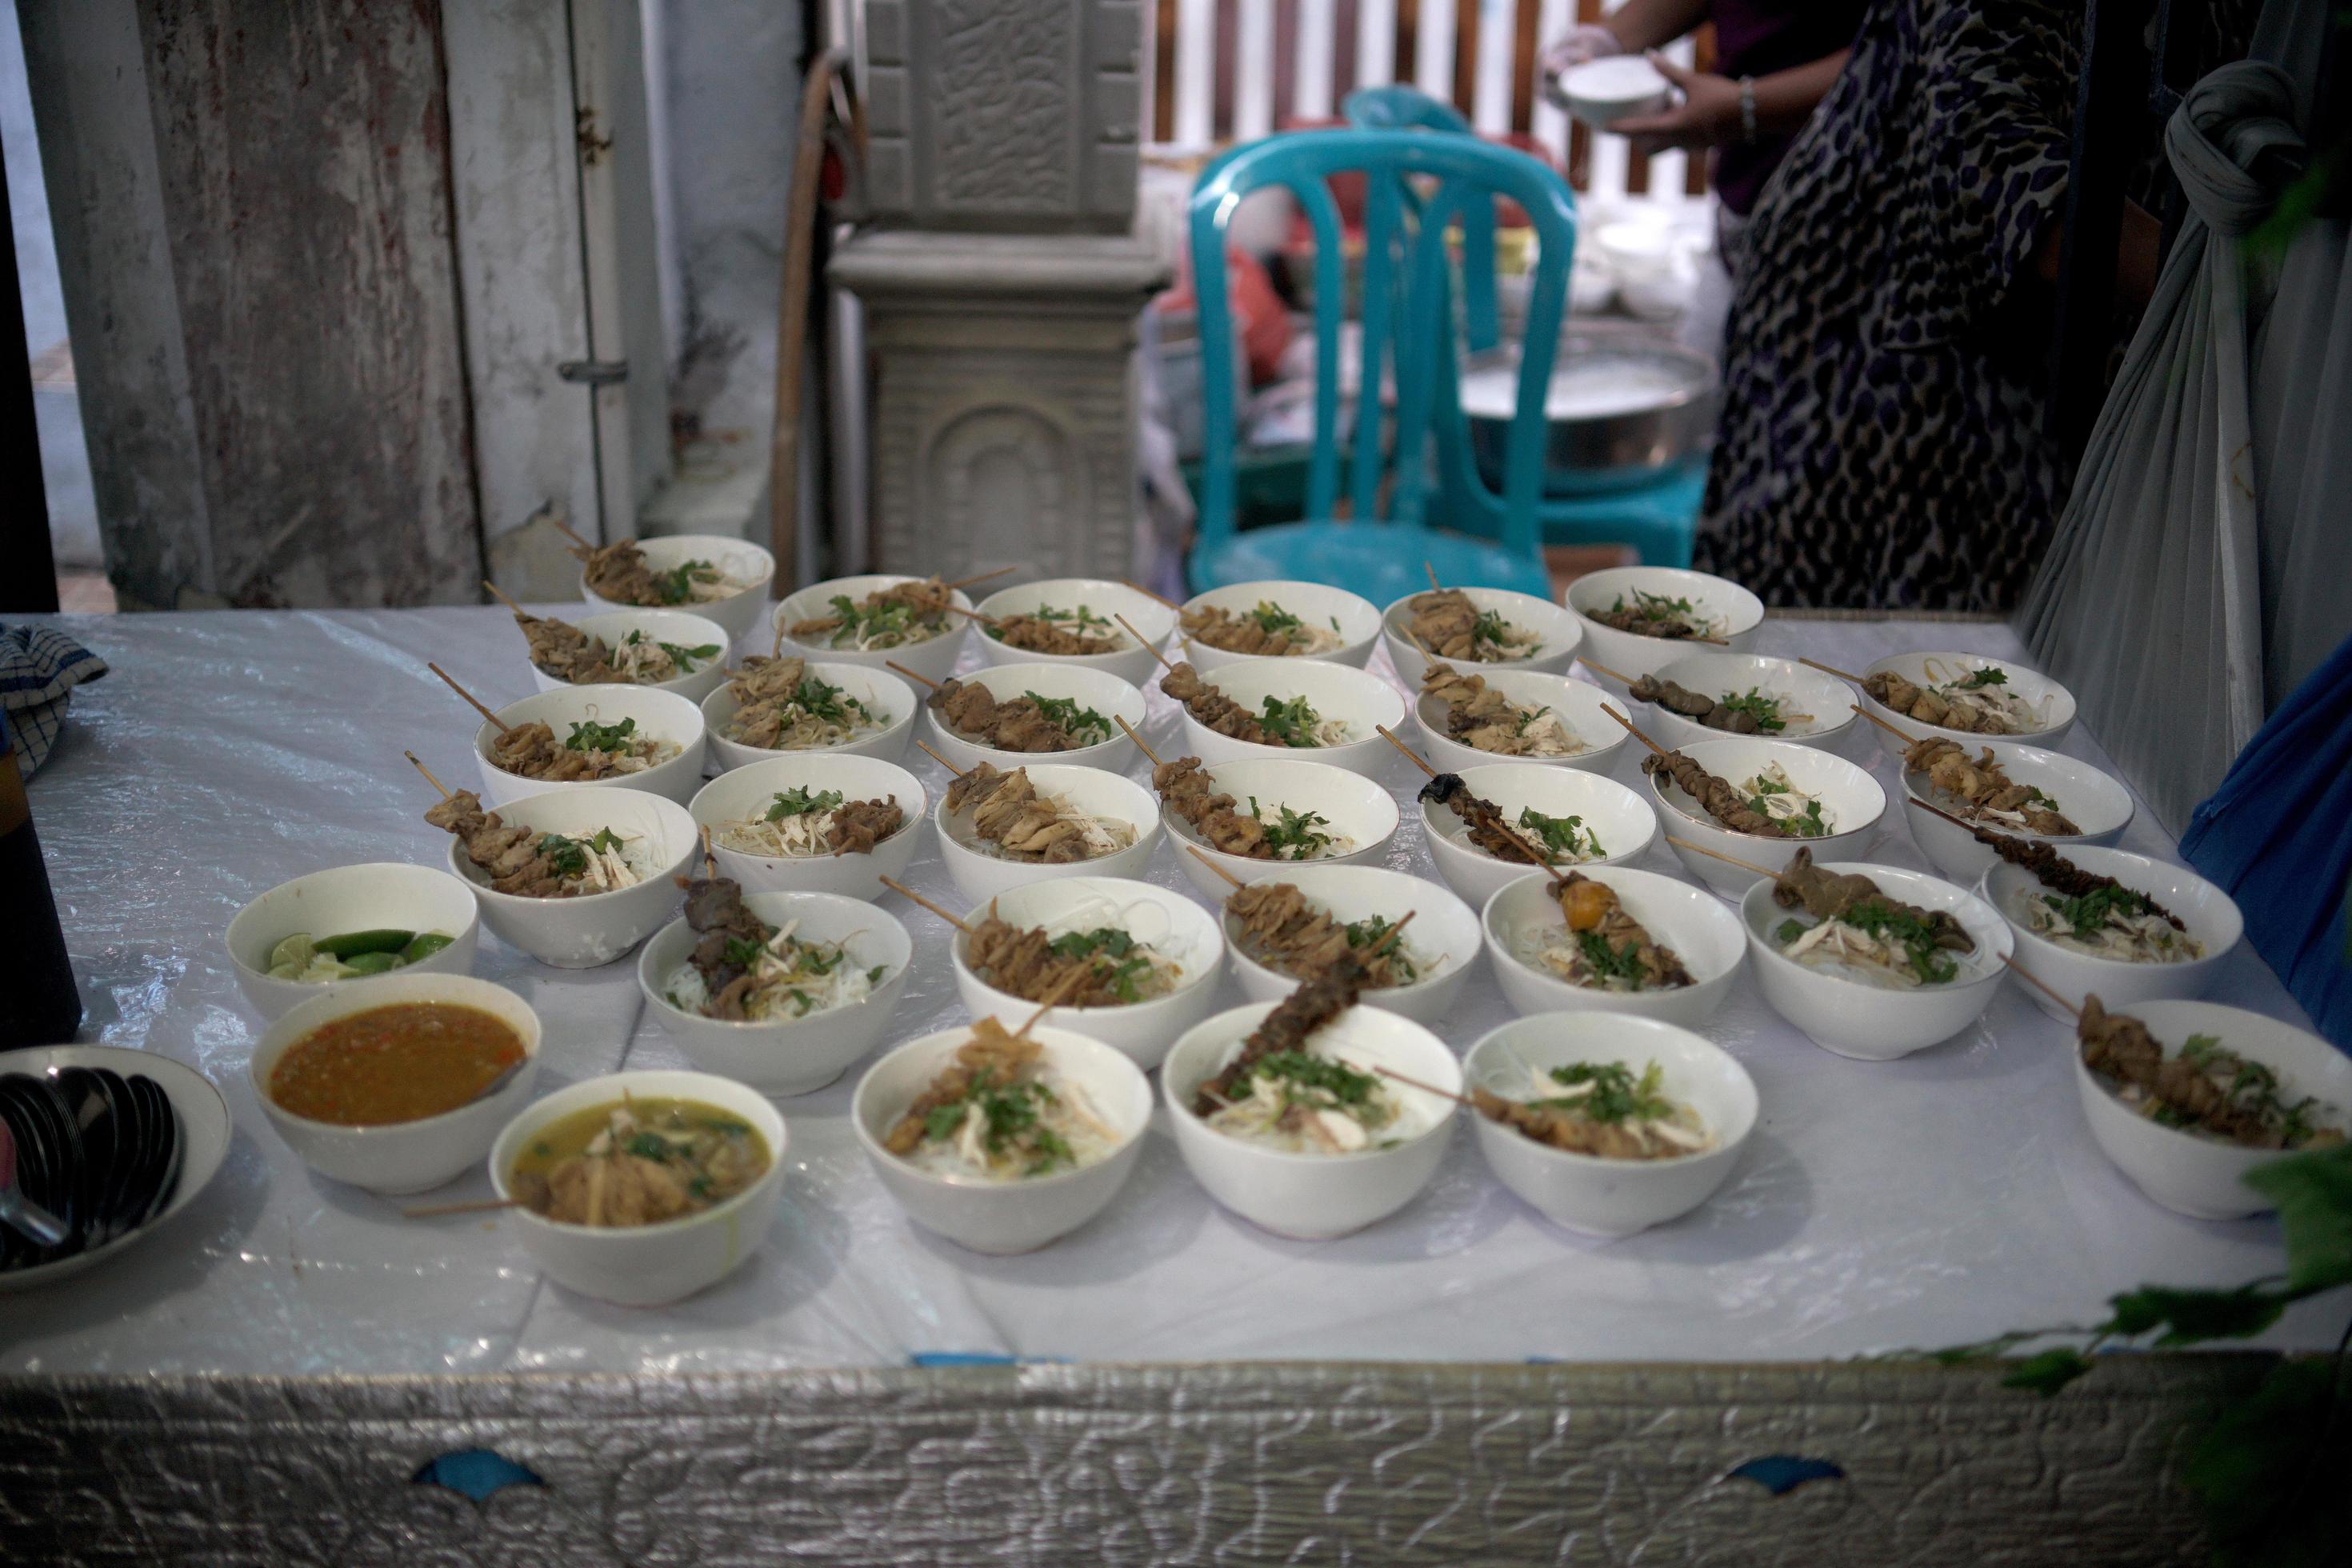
<point x="1408" y="318"/>
<point x="1396" y="108"/>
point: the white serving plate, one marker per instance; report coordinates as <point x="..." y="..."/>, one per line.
<point x="1354" y="807"/>
<point x="1828" y="699"/>
<point x="1339" y="691"/>
<point x="664" y="715"/>
<point x="1445" y="932"/>
<point x="1703" y="934"/>
<point x="1358" y="628"/>
<point x="931" y="658"/>
<point x="737" y="557"/>
<point x="1133" y="664"/>
<point x="881" y="692"/>
<point x="1579" y="704"/>
<point x="1849" y="798"/>
<point x="748" y="792"/>
<point x="1621" y="819"/>
<point x="1561" y="634"/>
<point x="675" y="627"/>
<point x="981" y="876"/>
<point x="1099" y="690"/>
<point x="374" y="896"/>
<point x="1867" y="1022"/>
<point x="2031" y="685"/>
<point x="595" y="929"/>
<point x="1586" y="1193"/>
<point x="2211" y="915"/>
<point x="2096" y="802"/>
<point x="1630" y="653"/>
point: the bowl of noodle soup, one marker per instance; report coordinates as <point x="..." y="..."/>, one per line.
<point x="884" y="729"/>
<point x="773" y="845"/>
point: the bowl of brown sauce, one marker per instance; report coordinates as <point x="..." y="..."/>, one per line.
<point x="399" y="1085"/>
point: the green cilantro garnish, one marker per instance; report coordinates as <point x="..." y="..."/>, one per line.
<point x="1788" y="931"/>
<point x="1293" y="834"/>
<point x="647" y="1146"/>
<point x="1272" y="618"/>
<point x="1930" y="963"/>
<point x="1616" y="1094"/>
<point x="798" y="802"/>
<point x="1297" y="1071"/>
<point x="1083" y="725"/>
<point x="1292" y="722"/>
<point x="830" y="703"/>
<point x="683" y="657"/>
<point x="2088" y="913"/>
<point x="1990" y="675"/>
<point x="742" y="952"/>
<point x="676" y="586"/>
<point x="1561" y="836"/>
<point x="1373" y="930"/>
<point x="1760" y="706"/>
<point x="1609" y="962"/>
<point x="1009" y="1121"/>
<point x="590" y="736"/>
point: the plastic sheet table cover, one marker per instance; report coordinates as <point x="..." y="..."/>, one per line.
<point x="1937" y="1199"/>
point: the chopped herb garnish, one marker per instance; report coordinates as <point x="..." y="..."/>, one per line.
<point x="798" y="802"/>
<point x="677" y="584"/>
<point x="1008" y="1119"/>
<point x="1272" y="618"/>
<point x="647" y="1146"/>
<point x="1293" y="834"/>
<point x="1788" y="931"/>
<point x="743" y="951"/>
<point x="2089" y="912"/>
<point x="1930" y="963"/>
<point x="1616" y="1095"/>
<point x="873" y="975"/>
<point x="1613" y="963"/>
<point x="1990" y="675"/>
<point x="1760" y="706"/>
<point x="1561" y="836"/>
<point x="587" y="735"/>
<point x="830" y="703"/>
<point x="1373" y="930"/>
<point x="1298" y="1071"/>
<point x="685" y="658"/>
<point x="1292" y="722"/>
<point x="1083" y="725"/>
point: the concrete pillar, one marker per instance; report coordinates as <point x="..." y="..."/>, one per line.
<point x="1001" y="280"/>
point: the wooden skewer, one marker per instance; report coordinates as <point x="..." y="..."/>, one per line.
<point x="1630" y="726"/>
<point x="1142" y="641"/>
<point x="1388" y="941"/>
<point x="1053" y="999"/>
<point x="480" y="1205"/>
<point x="940" y="760"/>
<point x="1719" y="641"/>
<point x="1907" y="738"/>
<point x="1130" y="583"/>
<point x="2040" y="984"/>
<point x="894" y="664"/>
<point x="564" y="529"/>
<point x="975" y="615"/>
<point x="1148" y="753"/>
<point x="1604" y="669"/>
<point x="1408" y="750"/>
<point x="1426" y="1088"/>
<point x="710" y="859"/>
<point x="1435" y="585"/>
<point x="913" y="897"/>
<point x="421" y="768"/>
<point x="504" y="727"/>
<point x="984" y="576"/>
<point x="1719" y="855"/>
<point x="1829" y="670"/>
<point x="499" y="594"/>
<point x="1955" y="821"/>
<point x="1202" y="856"/>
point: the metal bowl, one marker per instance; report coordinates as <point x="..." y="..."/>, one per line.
<point x="1636" y="406"/>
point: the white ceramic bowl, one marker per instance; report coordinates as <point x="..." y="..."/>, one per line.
<point x="1131" y="664"/>
<point x="2031" y="685"/>
<point x="1703" y="934"/>
<point x="1828" y="701"/>
<point x="1359" y="622"/>
<point x="748" y="792"/>
<point x="1631" y="654"/>
<point x="2211" y="915"/>
<point x="1358" y="698"/>
<point x="1621" y="819"/>
<point x="2096" y="802"/>
<point x="674" y="626"/>
<point x="2199" y="1176"/>
<point x="1005" y="1217"/>
<point x="881" y="692"/>
<point x="1172" y="923"/>
<point x="735" y="613"/>
<point x="203" y="1135"/>
<point x="1560" y="633"/>
<point x="1614" y="88"/>
<point x="1586" y="1193"/>
<point x="1353" y="807"/>
<point x="1099" y="690"/>
<point x="597" y="928"/>
<point x="400" y="1156"/>
<point x="375" y="896"/>
<point x="1314" y="1197"/>
<point x="931" y="658"/>
<point x="1578" y="703"/>
<point x="1873" y="1023"/>
<point x="1444" y="934"/>
<point x="792" y="1056"/>
<point x="981" y="876"/>
<point x="647" y="1265"/>
<point x="1849" y="798"/>
<point x="664" y="715"/>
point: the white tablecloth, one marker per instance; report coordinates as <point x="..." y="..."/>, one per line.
<point x="1937" y="1199"/>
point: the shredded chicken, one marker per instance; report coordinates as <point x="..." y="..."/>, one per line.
<point x="1447" y="625"/>
<point x="1026" y="823"/>
<point x="1482" y="717"/>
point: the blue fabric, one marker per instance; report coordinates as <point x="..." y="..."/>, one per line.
<point x="39" y="668"/>
<point x="2277" y="835"/>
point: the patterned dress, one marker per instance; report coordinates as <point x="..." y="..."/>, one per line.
<point x="1882" y="444"/>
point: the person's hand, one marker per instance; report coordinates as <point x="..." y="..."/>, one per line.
<point x="1708" y="116"/>
<point x="1577" y="46"/>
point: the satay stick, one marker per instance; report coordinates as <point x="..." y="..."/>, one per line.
<point x="975" y="615"/>
<point x="1719" y="855"/>
<point x="984" y="576"/>
<point x="499" y="594"/>
<point x="1131" y="735"/>
<point x="940" y="760"/>
<point x="1053" y="999"/>
<point x="1829" y="670"/>
<point x="1202" y="856"/>
<point x="1143" y="641"/>
<point x="1408" y="750"/>
<point x="1435" y="585"/>
<point x="1426" y="1088"/>
<point x="1630" y="727"/>
<point x="480" y="1205"/>
<point x="564" y="529"/>
<point x="1955" y="821"/>
<point x="2040" y="984"/>
<point x="1907" y="739"/>
<point x="1130" y="583"/>
<point x="894" y="664"/>
<point x="709" y="858"/>
<point x="1388" y="941"/>
<point x="1604" y="669"/>
<point x="909" y="893"/>
<point x="504" y="727"/>
<point x="421" y="768"/>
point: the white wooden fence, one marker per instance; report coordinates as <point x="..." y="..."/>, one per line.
<point x="1223" y="74"/>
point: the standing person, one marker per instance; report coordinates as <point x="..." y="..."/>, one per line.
<point x="1775" y="60"/>
<point x="1883" y="442"/>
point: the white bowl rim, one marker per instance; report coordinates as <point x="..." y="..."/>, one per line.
<point x="909" y="819"/>
<point x="1603" y="1162"/>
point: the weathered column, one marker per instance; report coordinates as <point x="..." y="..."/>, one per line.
<point x="1001" y="280"/>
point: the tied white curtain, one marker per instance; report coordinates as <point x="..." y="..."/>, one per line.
<point x="2150" y="604"/>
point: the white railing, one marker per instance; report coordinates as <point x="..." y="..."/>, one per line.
<point x="1233" y="92"/>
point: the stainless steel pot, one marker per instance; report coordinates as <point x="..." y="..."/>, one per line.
<point x="1665" y="418"/>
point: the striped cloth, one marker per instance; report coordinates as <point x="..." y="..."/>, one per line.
<point x="39" y="668"/>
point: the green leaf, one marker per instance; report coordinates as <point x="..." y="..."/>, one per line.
<point x="2313" y="1194"/>
<point x="2048" y="1371"/>
<point x="2189" y="1317"/>
<point x="2263" y="1472"/>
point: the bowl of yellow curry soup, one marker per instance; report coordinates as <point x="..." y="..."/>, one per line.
<point x="399" y="1085"/>
<point x="641" y="1188"/>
